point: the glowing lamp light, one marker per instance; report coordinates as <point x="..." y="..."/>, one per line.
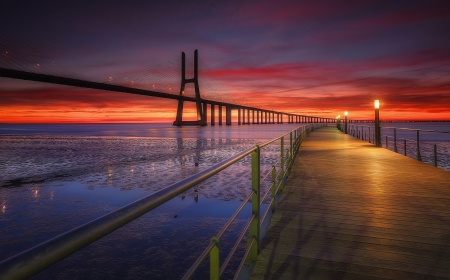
<point x="339" y="116"/>
<point x="346" y="113"/>
<point x="377" y="104"/>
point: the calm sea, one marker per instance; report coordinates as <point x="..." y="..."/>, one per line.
<point x="57" y="177"/>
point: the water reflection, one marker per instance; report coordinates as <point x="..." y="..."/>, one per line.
<point x="151" y="130"/>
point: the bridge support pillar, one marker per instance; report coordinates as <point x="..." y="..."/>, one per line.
<point x="239" y="116"/>
<point x="205" y="112"/>
<point x="213" y="113"/>
<point x="220" y="114"/>
<point x="253" y="116"/>
<point x="228" y="115"/>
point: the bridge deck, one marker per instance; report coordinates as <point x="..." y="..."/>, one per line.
<point x="353" y="211"/>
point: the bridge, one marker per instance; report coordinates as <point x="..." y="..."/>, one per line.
<point x="339" y="207"/>
<point x="12" y="66"/>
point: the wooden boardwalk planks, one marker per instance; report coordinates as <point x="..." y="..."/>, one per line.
<point x="354" y="211"/>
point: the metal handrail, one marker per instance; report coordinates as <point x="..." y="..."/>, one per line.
<point x="265" y="176"/>
<point x="199" y="261"/>
<point x="247" y="251"/>
<point x="208" y="249"/>
<point x="266" y="193"/>
<point x="418" y="142"/>
<point x="233" y="250"/>
<point x="36" y="259"/>
<point x="236" y="213"/>
<point x="415" y="129"/>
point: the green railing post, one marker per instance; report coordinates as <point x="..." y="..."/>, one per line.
<point x="288" y="164"/>
<point x="435" y="155"/>
<point x="404" y="142"/>
<point x="387" y="143"/>
<point x="281" y="178"/>
<point x="395" y="141"/>
<point x="255" y="227"/>
<point x="290" y="144"/>
<point x="419" y="157"/>
<point x="274" y="186"/>
<point x="214" y="264"/>
<point x="369" y="135"/>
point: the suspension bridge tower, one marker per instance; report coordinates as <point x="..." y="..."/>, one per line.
<point x="201" y="118"/>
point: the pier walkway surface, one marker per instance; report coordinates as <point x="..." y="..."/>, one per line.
<point x="354" y="211"/>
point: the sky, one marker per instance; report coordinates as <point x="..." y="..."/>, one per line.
<point x="317" y="58"/>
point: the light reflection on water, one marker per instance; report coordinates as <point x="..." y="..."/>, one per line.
<point x="151" y="130"/>
<point x="55" y="178"/>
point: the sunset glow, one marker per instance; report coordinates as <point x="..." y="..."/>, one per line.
<point x="310" y="58"/>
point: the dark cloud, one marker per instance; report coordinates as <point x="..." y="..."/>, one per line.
<point x="292" y="55"/>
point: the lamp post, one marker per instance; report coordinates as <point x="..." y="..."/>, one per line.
<point x="346" y="114"/>
<point x="377" y="124"/>
<point x="338" y="120"/>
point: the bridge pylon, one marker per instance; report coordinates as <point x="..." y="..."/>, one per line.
<point x="201" y="119"/>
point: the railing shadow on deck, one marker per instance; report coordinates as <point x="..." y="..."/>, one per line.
<point x="38" y="258"/>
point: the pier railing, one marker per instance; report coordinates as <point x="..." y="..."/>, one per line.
<point x="409" y="142"/>
<point x="38" y="258"/>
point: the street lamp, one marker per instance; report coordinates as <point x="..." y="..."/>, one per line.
<point x="338" y="120"/>
<point x="346" y="114"/>
<point x="377" y="123"/>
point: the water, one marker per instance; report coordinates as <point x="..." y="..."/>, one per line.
<point x="57" y="177"/>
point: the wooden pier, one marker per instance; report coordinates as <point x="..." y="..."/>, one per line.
<point x="353" y="211"/>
